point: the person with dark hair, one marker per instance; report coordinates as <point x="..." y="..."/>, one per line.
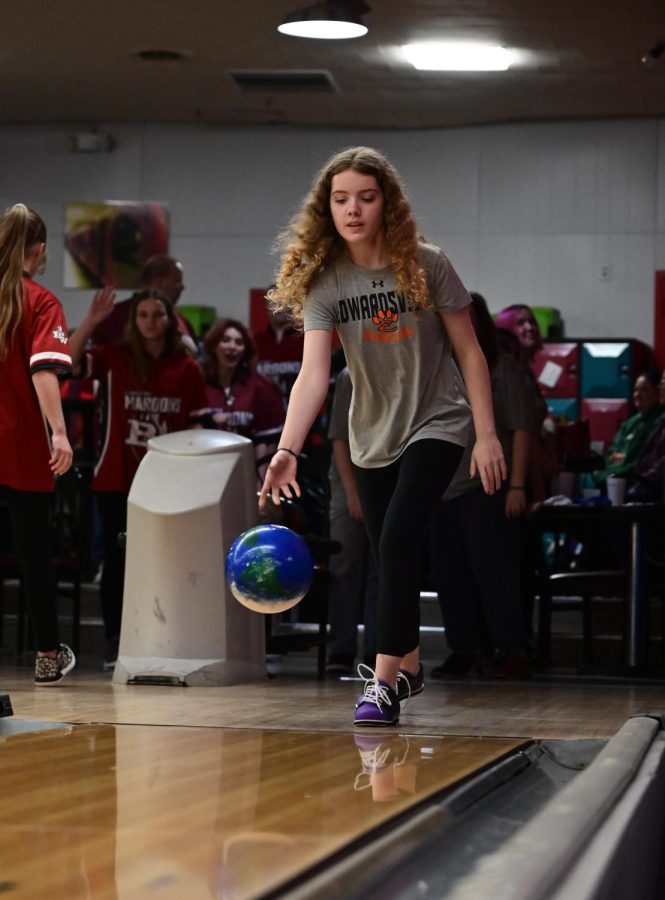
<point x="279" y="351"/>
<point x="647" y="480"/>
<point x="476" y="538"/>
<point x="521" y="322"/>
<point x="624" y="451"/>
<point x="353" y="581"/>
<point x="152" y="387"/>
<point x="353" y="262"/>
<point x="239" y="399"/>
<point x="34" y="350"/>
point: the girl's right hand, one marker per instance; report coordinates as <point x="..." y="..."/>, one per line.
<point x="280" y="476"/>
<point x="102" y="305"/>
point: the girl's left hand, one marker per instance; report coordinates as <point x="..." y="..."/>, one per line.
<point x="487" y="459"/>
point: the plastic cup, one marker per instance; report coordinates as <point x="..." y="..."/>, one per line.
<point x="616" y="490"/>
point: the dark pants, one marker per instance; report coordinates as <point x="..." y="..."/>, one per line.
<point x="112" y="508"/>
<point x="353" y="589"/>
<point x="397" y="502"/>
<point x="30" y="514"/>
<point x="476" y="570"/>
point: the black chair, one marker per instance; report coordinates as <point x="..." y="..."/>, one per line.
<point x="71" y="532"/>
<point x="576" y="566"/>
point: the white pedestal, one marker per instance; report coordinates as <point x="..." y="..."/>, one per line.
<point x="193" y="494"/>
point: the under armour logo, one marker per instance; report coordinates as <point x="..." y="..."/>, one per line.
<point x="377" y="284"/>
<point x="60" y="335"/>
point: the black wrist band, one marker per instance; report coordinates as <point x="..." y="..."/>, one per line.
<point x="517" y="487"/>
<point x="286" y="450"/>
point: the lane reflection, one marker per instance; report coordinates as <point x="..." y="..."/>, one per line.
<point x="125" y="812"/>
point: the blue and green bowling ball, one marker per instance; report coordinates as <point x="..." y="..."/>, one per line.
<point x="269" y="568"/>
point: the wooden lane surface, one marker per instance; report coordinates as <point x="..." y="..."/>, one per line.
<point x="167" y="812"/>
<point x="531" y="709"/>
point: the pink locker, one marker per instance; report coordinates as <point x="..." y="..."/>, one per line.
<point x="556" y="368"/>
<point x="605" y="415"/>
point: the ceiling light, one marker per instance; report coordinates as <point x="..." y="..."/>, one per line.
<point x="331" y="21"/>
<point x="458" y="56"/>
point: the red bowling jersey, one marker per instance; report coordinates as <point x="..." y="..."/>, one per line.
<point x="172" y="398"/>
<point x="40" y="342"/>
<point x="253" y="408"/>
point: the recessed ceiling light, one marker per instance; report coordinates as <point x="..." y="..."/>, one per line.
<point x="326" y="21"/>
<point x="458" y="56"/>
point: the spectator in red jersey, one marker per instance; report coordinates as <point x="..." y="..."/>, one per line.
<point x="239" y="399"/>
<point x="279" y="351"/>
<point x="153" y="387"/>
<point x="33" y="351"/>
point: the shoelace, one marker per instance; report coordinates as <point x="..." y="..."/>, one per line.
<point x="373" y="692"/>
<point x="402" y="677"/>
<point x="373" y="761"/>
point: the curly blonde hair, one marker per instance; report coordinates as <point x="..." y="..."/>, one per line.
<point x="312" y="242"/>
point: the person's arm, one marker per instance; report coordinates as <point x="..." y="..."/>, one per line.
<point x="487" y="456"/>
<point x="342" y="455"/>
<point x="47" y="389"/>
<point x="101" y="307"/>
<point x="516" y="496"/>
<point x="307" y="395"/>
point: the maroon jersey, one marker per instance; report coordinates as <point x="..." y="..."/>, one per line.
<point x="40" y="342"/>
<point x="251" y="407"/>
<point x="171" y="399"/>
<point x="279" y="361"/>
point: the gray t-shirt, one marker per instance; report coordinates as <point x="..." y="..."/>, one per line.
<point x="406" y="386"/>
<point x="513" y="411"/>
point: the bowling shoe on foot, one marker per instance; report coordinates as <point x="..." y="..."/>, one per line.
<point x="378" y="704"/>
<point x="49" y="672"/>
<point x="409" y="685"/>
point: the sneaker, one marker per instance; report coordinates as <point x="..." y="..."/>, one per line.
<point x="378" y="704"/>
<point x="409" y="685"/>
<point x="51" y="671"/>
<point x="456" y="664"/>
<point x="339" y="666"/>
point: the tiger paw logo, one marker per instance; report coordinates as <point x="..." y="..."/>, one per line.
<point x="386" y="321"/>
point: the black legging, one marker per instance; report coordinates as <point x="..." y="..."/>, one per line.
<point x="112" y="509"/>
<point x="397" y="503"/>
<point x="31" y="514"/>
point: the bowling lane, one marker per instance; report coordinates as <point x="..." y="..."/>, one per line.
<point x="129" y="811"/>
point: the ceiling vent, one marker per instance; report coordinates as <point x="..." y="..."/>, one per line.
<point x="273" y="81"/>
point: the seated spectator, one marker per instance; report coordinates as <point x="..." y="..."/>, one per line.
<point x="239" y="399"/>
<point x="152" y="387"/>
<point x="647" y="480"/>
<point x="476" y="538"/>
<point x="627" y="444"/>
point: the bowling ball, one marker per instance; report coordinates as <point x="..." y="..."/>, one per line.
<point x="269" y="568"/>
